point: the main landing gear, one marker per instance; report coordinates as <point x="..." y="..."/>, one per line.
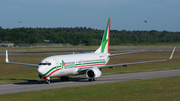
<point x="92" y="79"/>
<point x="64" y="78"/>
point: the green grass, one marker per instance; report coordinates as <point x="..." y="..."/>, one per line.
<point x="160" y="89"/>
<point x="10" y="73"/>
<point x="58" y="48"/>
<point x="49" y="48"/>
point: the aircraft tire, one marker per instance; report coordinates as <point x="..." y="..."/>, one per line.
<point x="90" y="80"/>
<point x="66" y="78"/>
<point x="62" y="78"/>
<point x="47" y="82"/>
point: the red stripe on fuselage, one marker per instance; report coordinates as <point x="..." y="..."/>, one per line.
<point x="54" y="71"/>
<point x="75" y="67"/>
<point x="90" y="65"/>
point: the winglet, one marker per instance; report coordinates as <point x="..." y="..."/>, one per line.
<point x="6" y="57"/>
<point x="172" y="53"/>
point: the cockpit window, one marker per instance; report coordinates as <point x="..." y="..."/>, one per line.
<point x="45" y="64"/>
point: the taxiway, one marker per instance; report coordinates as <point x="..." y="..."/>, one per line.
<point x="40" y="85"/>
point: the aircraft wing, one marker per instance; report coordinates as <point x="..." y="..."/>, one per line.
<point x="125" y="64"/>
<point x="7" y="61"/>
<point x="125" y="53"/>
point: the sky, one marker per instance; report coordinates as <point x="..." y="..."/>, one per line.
<point x="125" y="14"/>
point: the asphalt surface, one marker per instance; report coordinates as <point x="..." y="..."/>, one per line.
<point x="40" y="85"/>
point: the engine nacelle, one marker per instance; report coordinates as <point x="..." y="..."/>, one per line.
<point x="93" y="73"/>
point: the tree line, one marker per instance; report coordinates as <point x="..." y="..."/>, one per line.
<point x="86" y="36"/>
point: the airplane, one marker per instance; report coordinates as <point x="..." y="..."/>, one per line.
<point x="90" y="64"/>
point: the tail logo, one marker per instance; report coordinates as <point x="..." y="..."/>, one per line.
<point x="104" y="45"/>
<point x="104" y="48"/>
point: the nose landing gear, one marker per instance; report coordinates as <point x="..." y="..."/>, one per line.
<point x="47" y="80"/>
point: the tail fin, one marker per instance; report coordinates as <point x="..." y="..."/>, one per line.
<point x="104" y="48"/>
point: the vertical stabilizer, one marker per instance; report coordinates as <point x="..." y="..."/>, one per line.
<point x="104" y="48"/>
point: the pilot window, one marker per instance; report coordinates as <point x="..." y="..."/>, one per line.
<point x="45" y="64"/>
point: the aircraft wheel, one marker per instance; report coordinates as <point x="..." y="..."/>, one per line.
<point x="90" y="79"/>
<point x="67" y="78"/>
<point x="47" y="82"/>
<point x="62" y="78"/>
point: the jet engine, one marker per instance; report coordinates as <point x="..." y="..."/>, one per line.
<point x="93" y="73"/>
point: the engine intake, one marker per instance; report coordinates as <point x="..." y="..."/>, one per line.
<point x="93" y="73"/>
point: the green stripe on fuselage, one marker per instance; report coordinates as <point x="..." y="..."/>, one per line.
<point x="94" y="62"/>
<point x="74" y="67"/>
<point x="51" y="70"/>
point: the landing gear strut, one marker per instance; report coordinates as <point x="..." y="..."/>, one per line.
<point x="64" y="78"/>
<point x="47" y="80"/>
<point x="92" y="79"/>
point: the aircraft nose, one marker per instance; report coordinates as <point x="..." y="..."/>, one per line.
<point x="40" y="70"/>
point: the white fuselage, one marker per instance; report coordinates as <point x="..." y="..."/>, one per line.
<point x="63" y="65"/>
